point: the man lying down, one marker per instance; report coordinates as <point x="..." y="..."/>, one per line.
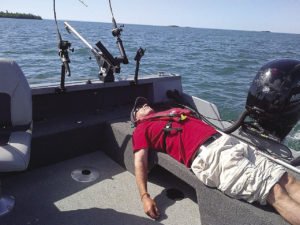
<point x="217" y="159"/>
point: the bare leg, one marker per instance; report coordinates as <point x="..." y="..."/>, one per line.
<point x="291" y="185"/>
<point x="284" y="204"/>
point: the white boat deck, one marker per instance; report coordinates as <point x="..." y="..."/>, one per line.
<point x="49" y="196"/>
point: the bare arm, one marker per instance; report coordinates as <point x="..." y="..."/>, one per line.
<point x="141" y="176"/>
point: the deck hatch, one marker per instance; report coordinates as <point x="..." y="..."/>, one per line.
<point x="85" y="174"/>
<point x="175" y="194"/>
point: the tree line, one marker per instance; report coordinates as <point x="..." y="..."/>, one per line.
<point x="19" y="15"/>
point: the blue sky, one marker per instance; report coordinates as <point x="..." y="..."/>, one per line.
<point x="259" y="15"/>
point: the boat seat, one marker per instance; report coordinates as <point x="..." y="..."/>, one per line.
<point x="215" y="208"/>
<point x="15" y="123"/>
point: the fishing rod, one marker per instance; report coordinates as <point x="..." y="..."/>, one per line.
<point x="116" y="32"/>
<point x="108" y="65"/>
<point x="83" y="3"/>
<point x="63" y="52"/>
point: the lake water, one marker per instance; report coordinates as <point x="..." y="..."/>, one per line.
<point x="217" y="65"/>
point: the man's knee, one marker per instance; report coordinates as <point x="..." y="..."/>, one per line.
<point x="276" y="194"/>
<point x="287" y="180"/>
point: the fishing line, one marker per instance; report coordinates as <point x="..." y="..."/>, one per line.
<point x="57" y="29"/>
<point x="116" y="32"/>
<point x="112" y="14"/>
<point x="83" y="3"/>
<point x="63" y="48"/>
<point x="54" y="11"/>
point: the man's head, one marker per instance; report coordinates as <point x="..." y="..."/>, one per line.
<point x="140" y="109"/>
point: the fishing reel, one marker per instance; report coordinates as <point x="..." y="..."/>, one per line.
<point x="116" y="32"/>
<point x="63" y="52"/>
<point x="64" y="45"/>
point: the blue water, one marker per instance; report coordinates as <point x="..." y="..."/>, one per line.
<point x="217" y="65"/>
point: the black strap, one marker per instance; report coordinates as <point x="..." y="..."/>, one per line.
<point x="212" y="139"/>
<point x="167" y="129"/>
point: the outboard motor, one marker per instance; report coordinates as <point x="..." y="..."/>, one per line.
<point x="273" y="100"/>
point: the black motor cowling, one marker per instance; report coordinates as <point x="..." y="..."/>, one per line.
<point x="274" y="97"/>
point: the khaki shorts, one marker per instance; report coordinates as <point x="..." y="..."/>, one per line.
<point x="236" y="169"/>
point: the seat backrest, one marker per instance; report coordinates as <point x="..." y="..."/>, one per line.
<point x="15" y="95"/>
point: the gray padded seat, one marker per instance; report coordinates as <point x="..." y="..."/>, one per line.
<point x="15" y="118"/>
<point x="14" y="155"/>
<point x="215" y="208"/>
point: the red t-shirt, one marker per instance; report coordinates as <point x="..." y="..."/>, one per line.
<point x="181" y="145"/>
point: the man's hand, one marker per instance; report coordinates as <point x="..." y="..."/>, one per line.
<point x="141" y="176"/>
<point x="150" y="207"/>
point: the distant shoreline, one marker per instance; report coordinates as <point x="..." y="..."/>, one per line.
<point x="19" y="15"/>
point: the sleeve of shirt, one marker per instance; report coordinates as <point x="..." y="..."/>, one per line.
<point x="139" y="139"/>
